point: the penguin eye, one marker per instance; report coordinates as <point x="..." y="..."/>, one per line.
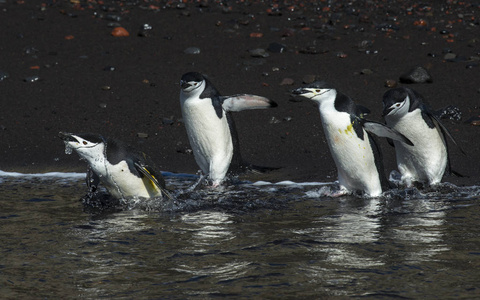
<point x="397" y="105"/>
<point x="317" y="91"/>
<point x="85" y="143"/>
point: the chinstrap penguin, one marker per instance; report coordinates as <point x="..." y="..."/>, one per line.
<point x="210" y="126"/>
<point x="405" y="111"/>
<point x="124" y="171"/>
<point x="356" y="155"/>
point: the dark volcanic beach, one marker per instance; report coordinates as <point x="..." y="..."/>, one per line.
<point x="61" y="69"/>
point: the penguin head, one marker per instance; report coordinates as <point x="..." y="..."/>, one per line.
<point x="397" y="102"/>
<point x="192" y="83"/>
<point x="318" y="91"/>
<point x="88" y="146"/>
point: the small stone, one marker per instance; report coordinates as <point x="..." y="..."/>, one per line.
<point x="168" y="121"/>
<point x="475" y="121"/>
<point x="309" y="79"/>
<point x="111" y="17"/>
<point x="416" y="75"/>
<point x="258" y="53"/>
<point x="449" y="56"/>
<point x="102" y="105"/>
<point x="119" y="32"/>
<point x="109" y="68"/>
<point x="192" y="50"/>
<point x="274" y="120"/>
<point x="31" y="78"/>
<point x="277" y="48"/>
<point x="145" y="30"/>
<point x="287" y="81"/>
<point x="142" y="135"/>
<point x="341" y="55"/>
<point x="256" y="35"/>
<point x="366" y="72"/>
<point x="3" y="75"/>
<point x="390" y="83"/>
<point x="106" y="88"/>
<point x="287" y="119"/>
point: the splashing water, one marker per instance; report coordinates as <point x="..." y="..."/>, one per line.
<point x="68" y="148"/>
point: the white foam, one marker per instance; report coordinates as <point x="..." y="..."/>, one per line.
<point x="288" y="182"/>
<point x="49" y="174"/>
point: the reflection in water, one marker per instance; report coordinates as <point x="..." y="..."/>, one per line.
<point x="248" y="241"/>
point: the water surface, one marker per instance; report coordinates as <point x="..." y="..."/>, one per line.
<point x="271" y="241"/>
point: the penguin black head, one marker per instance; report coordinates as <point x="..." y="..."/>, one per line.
<point x="399" y="101"/>
<point x="315" y="91"/>
<point x="191" y="81"/>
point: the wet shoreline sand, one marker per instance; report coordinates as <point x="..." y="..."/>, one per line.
<point x="127" y="87"/>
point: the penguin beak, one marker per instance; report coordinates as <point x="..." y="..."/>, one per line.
<point x="387" y="111"/>
<point x="66" y="137"/>
<point x="184" y="84"/>
<point x="299" y="91"/>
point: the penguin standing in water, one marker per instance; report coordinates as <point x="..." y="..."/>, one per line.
<point x="124" y="172"/>
<point x="210" y="127"/>
<point x="355" y="153"/>
<point x="404" y="111"/>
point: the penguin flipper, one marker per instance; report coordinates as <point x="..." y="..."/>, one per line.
<point x="151" y="175"/>
<point x="445" y="132"/>
<point x="383" y="131"/>
<point x="92" y="180"/>
<point x="241" y="102"/>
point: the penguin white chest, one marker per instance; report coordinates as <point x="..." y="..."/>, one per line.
<point x="427" y="159"/>
<point x="209" y="137"/>
<point x="353" y="156"/>
<point x="121" y="183"/>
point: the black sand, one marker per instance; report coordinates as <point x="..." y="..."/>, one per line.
<point x="68" y="45"/>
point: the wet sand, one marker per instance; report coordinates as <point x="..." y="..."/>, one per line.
<point x="127" y="87"/>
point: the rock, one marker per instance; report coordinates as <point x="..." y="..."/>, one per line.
<point x="309" y="79"/>
<point x="145" y="30"/>
<point x="287" y="81"/>
<point x="416" y="75"/>
<point x="31" y="78"/>
<point x="192" y="50"/>
<point x="450" y="56"/>
<point x="390" y="83"/>
<point x="277" y="48"/>
<point x="366" y="72"/>
<point x="258" y="53"/>
<point x="3" y="75"/>
<point x="119" y="32"/>
<point x="142" y="135"/>
<point x="109" y="68"/>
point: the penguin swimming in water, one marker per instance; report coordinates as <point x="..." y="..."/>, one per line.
<point x="124" y="172"/>
<point x="405" y="111"/>
<point x="355" y="153"/>
<point x="210" y="127"/>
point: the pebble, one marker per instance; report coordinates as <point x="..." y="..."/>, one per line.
<point x="390" y="83"/>
<point x="192" y="50"/>
<point x="366" y="72"/>
<point x="277" y="48"/>
<point x="274" y="120"/>
<point x="31" y="78"/>
<point x="168" y="121"/>
<point x="287" y="81"/>
<point x="3" y="75"/>
<point x="142" y="135"/>
<point x="145" y="30"/>
<point x="109" y="68"/>
<point x="119" y="32"/>
<point x="102" y="105"/>
<point x="258" y="53"/>
<point x="106" y="88"/>
<point x="416" y="75"/>
<point x="449" y="56"/>
<point x="309" y="79"/>
<point x="475" y="121"/>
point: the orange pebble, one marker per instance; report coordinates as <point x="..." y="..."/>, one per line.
<point x="256" y="34"/>
<point x="120" y="31"/>
<point x="69" y="37"/>
<point x="35" y="67"/>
